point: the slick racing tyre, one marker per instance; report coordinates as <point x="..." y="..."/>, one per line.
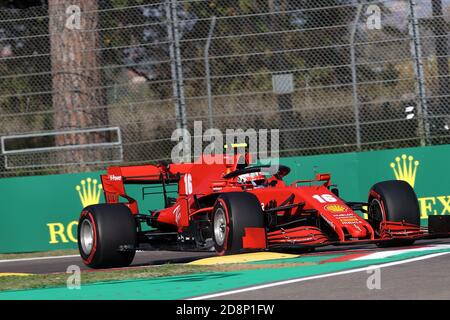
<point x="232" y="213"/>
<point x="393" y="200"/>
<point x="103" y="229"/>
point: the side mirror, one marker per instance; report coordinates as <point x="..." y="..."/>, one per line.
<point x="335" y="191"/>
<point x="324" y="177"/>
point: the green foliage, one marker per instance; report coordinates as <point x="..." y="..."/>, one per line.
<point x="24" y="52"/>
<point x="120" y="3"/>
<point x="390" y="74"/>
<point x="253" y="54"/>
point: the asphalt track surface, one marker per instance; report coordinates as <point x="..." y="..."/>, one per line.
<point x="424" y="278"/>
<point x="48" y="265"/>
<point x="60" y="264"/>
<point x="427" y="279"/>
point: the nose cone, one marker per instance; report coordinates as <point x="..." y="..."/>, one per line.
<point x="356" y="231"/>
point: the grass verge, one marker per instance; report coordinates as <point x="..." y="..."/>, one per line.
<point x="60" y="279"/>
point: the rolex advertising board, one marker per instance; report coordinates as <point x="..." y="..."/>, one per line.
<point x="426" y="169"/>
<point x="40" y="213"/>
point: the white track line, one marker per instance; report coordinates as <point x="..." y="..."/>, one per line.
<point x="39" y="258"/>
<point x="321" y="276"/>
<point x="391" y="253"/>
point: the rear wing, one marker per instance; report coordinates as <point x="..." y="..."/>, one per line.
<point x="117" y="176"/>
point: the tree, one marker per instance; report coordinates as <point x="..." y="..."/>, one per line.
<point x="76" y="76"/>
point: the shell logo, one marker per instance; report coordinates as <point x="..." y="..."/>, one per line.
<point x="335" y="208"/>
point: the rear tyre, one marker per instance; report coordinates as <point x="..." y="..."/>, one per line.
<point x="232" y="213"/>
<point x="107" y="236"/>
<point x="393" y="200"/>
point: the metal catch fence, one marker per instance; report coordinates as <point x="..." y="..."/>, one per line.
<point x="86" y="83"/>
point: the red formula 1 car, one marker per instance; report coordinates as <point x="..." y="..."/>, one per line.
<point x="231" y="207"/>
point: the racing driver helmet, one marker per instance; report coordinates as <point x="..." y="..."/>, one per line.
<point x="255" y="178"/>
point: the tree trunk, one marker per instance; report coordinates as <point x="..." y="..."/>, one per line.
<point x="75" y="75"/>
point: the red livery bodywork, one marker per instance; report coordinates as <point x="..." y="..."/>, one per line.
<point x="305" y="213"/>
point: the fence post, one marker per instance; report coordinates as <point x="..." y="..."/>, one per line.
<point x="175" y="63"/>
<point x="208" y="72"/>
<point x="416" y="52"/>
<point x="280" y="66"/>
<point x="173" y="33"/>
<point x="355" y="78"/>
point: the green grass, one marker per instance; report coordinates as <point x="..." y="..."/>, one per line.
<point x="60" y="279"/>
<point x="6" y="256"/>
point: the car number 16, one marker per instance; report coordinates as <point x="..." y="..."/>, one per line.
<point x="324" y="198"/>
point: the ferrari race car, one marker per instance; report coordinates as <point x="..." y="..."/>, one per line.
<point x="231" y="206"/>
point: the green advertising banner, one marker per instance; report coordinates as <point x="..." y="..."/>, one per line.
<point x="40" y="213"/>
<point x="426" y="169"/>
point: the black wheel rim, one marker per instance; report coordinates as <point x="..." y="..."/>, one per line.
<point x="375" y="215"/>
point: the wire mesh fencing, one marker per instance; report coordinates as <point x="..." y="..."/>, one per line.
<point x="331" y="75"/>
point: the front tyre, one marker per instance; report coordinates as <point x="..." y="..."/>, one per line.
<point x="107" y="236"/>
<point x="396" y="201"/>
<point x="232" y="213"/>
